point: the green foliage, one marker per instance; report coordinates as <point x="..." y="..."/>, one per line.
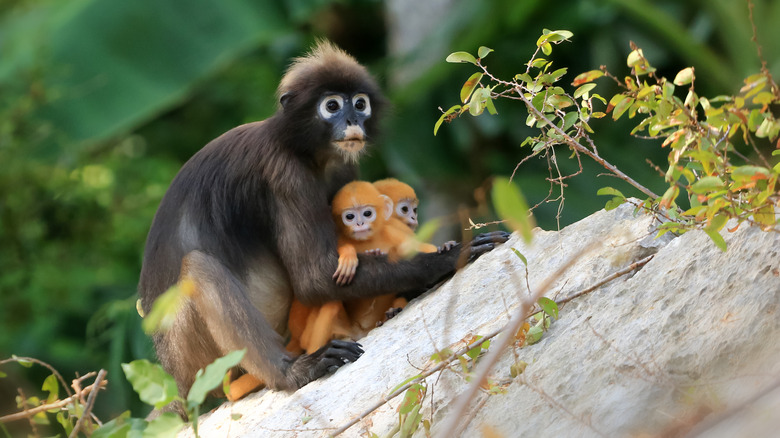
<point x="721" y="183"/>
<point x="151" y="382"/>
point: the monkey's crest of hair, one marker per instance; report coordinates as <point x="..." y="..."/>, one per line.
<point x="395" y="189"/>
<point x="325" y="66"/>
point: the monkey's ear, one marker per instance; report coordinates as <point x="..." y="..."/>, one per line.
<point x="284" y="98"/>
<point x="388" y="206"/>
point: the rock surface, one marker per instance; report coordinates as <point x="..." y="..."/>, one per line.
<point x="692" y="333"/>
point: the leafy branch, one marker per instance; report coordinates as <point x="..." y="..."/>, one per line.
<point x="702" y="134"/>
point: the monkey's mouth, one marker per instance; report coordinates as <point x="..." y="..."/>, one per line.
<point x="361" y="234"/>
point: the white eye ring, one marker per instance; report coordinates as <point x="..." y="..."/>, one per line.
<point x="361" y="99"/>
<point x="330" y="106"/>
<point x="371" y="214"/>
<point x="348" y="216"/>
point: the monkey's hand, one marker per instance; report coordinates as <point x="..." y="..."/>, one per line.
<point x="345" y="271"/>
<point x="486" y="242"/>
<point x="447" y="246"/>
<point x="375" y="252"/>
<point x="327" y="359"/>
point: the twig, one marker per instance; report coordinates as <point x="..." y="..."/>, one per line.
<point x="43" y="364"/>
<point x="617" y="274"/>
<point x="578" y="147"/>
<point x="88" y="408"/>
<point x="56" y="405"/>
<point x="486" y="365"/>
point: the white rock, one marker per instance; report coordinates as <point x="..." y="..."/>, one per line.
<point x="694" y="327"/>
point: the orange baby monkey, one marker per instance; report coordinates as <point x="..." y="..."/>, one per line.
<point x="404" y="199"/>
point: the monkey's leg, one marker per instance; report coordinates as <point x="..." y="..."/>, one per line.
<point x="242" y="386"/>
<point x="322" y="329"/>
<point x="234" y="323"/>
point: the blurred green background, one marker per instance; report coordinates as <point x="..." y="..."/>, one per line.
<point x="102" y="101"/>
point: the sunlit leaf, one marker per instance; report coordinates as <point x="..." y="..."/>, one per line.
<point x="167" y="306"/>
<point x="52" y="386"/>
<point x="707" y="184"/>
<point x="586" y="77"/>
<point x="154" y="386"/>
<point x="534" y="335"/>
<point x="461" y="57"/>
<point x="208" y="379"/>
<point x="483" y="51"/>
<point x="549" y="306"/>
<point x="684" y="77"/>
<point x="453" y="109"/>
<point x="511" y="206"/>
<point x="622" y="106"/>
<point x="583" y="90"/>
<point x="469" y="86"/>
<point x="517" y="368"/>
<point x="520" y="256"/>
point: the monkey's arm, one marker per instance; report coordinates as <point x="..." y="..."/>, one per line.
<point x="348" y="263"/>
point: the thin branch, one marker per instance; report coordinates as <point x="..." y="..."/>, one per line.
<point x="620" y="273"/>
<point x="43" y="364"/>
<point x="486" y="365"/>
<point x="56" y="405"/>
<point x="575" y="145"/>
<point x="88" y="408"/>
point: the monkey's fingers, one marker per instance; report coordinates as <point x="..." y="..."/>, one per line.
<point x="447" y="246"/>
<point x="337" y="353"/>
<point x="491" y="237"/>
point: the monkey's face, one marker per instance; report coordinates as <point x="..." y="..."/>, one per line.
<point x="359" y="221"/>
<point x="406" y="210"/>
<point x="346" y="115"/>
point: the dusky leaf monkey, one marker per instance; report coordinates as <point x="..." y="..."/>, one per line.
<point x="247" y="220"/>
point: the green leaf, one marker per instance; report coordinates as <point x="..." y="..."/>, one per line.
<point x="547" y="48"/>
<point x="512" y="207"/>
<point x="453" y="109"/>
<point x="166" y="306"/>
<point x="52" y="386"/>
<point x="583" y="90"/>
<point x="534" y="335"/>
<point x="707" y="184"/>
<point x="154" y="386"/>
<point x="121" y="427"/>
<point x="168" y="424"/>
<point x="427" y="230"/>
<point x="684" y="77"/>
<point x="622" y="106"/>
<point x="461" y="57"/>
<point x="524" y="77"/>
<point x="609" y="191"/>
<point x="549" y="306"/>
<point x="483" y="51"/>
<point x="2" y="375"/>
<point x="717" y="239"/>
<point x="517" y="368"/>
<point x="23" y="362"/>
<point x="469" y="87"/>
<point x="208" y="379"/>
<point x="520" y="256"/>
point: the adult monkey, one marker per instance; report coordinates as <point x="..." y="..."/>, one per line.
<point x="247" y="221"/>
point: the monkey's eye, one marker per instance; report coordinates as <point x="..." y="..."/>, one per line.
<point x="404" y="209"/>
<point x="369" y="213"/>
<point x="361" y="103"/>
<point x="350" y="217"/>
<point x="330" y="105"/>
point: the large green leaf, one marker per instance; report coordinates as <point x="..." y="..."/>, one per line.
<point x="116" y="64"/>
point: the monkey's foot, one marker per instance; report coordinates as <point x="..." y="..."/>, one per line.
<point x="243" y="386"/>
<point x="327" y="359"/>
<point x="390" y="313"/>
<point x="486" y="242"/>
